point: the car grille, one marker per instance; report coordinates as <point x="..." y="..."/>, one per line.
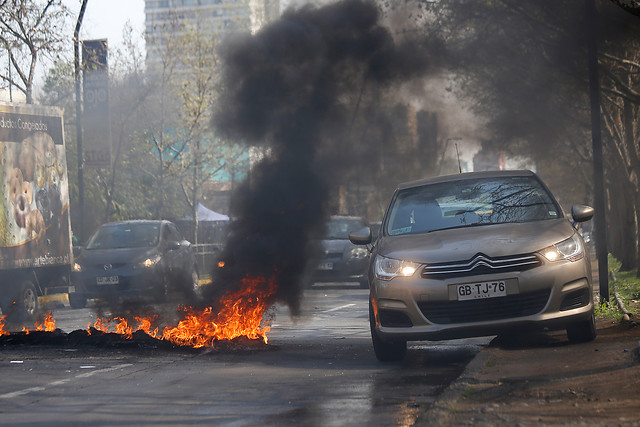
<point x="329" y="255"/>
<point x="114" y="266"/>
<point x="481" y="264"/>
<point x="480" y="310"/>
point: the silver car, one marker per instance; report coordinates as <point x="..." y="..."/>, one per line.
<point x="476" y="254"/>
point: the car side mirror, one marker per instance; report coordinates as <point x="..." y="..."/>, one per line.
<point x="361" y="237"/>
<point x="581" y="213"/>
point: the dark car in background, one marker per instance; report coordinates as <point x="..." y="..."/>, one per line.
<point x="140" y="258"/>
<point x="341" y="260"/>
<point x="477" y="254"/>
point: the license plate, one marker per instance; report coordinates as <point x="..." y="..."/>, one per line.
<point x="470" y="291"/>
<point x="326" y="266"/>
<point x="108" y="280"/>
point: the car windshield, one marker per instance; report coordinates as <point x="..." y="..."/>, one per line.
<point x="129" y="235"/>
<point x="466" y="203"/>
<point x="339" y="228"/>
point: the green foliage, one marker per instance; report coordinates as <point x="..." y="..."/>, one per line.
<point x="627" y="286"/>
<point x="608" y="310"/>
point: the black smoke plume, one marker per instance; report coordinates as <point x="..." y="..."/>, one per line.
<point x="292" y="89"/>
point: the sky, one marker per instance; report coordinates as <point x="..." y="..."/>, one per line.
<point x="107" y="19"/>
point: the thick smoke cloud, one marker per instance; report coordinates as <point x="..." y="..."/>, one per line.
<point x="290" y="89"/>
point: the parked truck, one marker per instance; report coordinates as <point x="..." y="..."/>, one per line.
<point x="35" y="228"/>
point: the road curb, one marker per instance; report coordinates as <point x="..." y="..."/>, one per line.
<point x="438" y="414"/>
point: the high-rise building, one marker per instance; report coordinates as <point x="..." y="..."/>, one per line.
<point x="165" y="17"/>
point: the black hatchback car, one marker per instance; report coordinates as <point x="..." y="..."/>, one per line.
<point x="341" y="260"/>
<point x="140" y="258"/>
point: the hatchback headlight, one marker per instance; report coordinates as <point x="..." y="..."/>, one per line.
<point x="388" y="268"/>
<point x="358" y="253"/>
<point x="149" y="262"/>
<point x="571" y="249"/>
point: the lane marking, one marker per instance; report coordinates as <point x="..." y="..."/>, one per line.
<point x="62" y="381"/>
<point x="338" y="308"/>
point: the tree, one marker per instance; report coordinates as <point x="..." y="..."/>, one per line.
<point x="524" y="63"/>
<point x="29" y="31"/>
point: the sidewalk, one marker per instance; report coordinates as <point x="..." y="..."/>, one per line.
<point x="547" y="381"/>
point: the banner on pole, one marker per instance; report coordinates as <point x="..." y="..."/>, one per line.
<point x="96" y="119"/>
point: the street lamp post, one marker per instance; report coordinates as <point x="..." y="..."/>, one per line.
<point x="76" y="63"/>
<point x="444" y="152"/>
<point x="596" y="139"/>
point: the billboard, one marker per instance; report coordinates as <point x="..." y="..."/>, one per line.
<point x="34" y="195"/>
<point x="96" y="119"/>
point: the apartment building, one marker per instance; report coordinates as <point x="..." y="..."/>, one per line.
<point x="165" y="17"/>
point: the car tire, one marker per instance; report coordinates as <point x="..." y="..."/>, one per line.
<point x="193" y="290"/>
<point x="583" y="331"/>
<point x="162" y="291"/>
<point x="77" y="300"/>
<point x="386" y="351"/>
<point x="23" y="306"/>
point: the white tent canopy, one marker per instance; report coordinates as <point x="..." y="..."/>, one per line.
<point x="206" y="214"/>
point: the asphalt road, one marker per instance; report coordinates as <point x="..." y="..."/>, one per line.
<point x="318" y="370"/>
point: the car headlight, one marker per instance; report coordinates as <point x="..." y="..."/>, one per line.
<point x="149" y="262"/>
<point x="76" y="267"/>
<point x="388" y="268"/>
<point x="358" y="253"/>
<point x="570" y="249"/>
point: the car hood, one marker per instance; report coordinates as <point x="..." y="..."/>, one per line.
<point x="113" y="256"/>
<point x="335" y="245"/>
<point x="463" y="243"/>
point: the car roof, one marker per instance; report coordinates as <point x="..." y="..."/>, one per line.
<point x="464" y="176"/>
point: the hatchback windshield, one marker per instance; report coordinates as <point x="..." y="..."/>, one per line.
<point x="125" y="236"/>
<point x="339" y="228"/>
<point x="467" y="203"/>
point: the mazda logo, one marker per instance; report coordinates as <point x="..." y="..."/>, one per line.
<point x="108" y="266"/>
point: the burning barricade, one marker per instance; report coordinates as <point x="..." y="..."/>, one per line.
<point x="242" y="313"/>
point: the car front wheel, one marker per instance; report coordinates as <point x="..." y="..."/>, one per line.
<point x="583" y="331"/>
<point x="22" y="306"/>
<point x="386" y="351"/>
<point x="162" y="290"/>
<point x="77" y="300"/>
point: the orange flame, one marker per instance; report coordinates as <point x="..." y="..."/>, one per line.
<point x="48" y="324"/>
<point x="2" y="331"/>
<point x="123" y="327"/>
<point x="145" y="326"/>
<point x="101" y="325"/>
<point x="241" y="314"/>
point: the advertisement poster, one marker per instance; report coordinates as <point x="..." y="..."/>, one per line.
<point x="34" y="202"/>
